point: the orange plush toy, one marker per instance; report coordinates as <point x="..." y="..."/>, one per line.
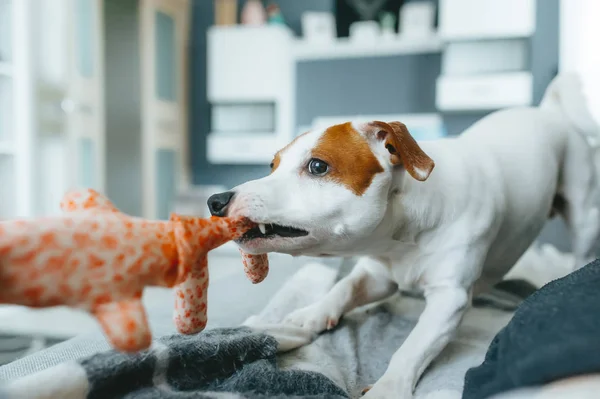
<point x="98" y="259"/>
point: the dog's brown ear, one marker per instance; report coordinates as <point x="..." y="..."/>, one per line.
<point x="403" y="149"/>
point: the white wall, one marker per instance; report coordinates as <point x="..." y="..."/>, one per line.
<point x="579" y="45"/>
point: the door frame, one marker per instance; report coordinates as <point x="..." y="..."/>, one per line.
<point x="151" y="107"/>
<point x="94" y="87"/>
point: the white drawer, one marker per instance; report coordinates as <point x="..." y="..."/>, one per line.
<point x="490" y="56"/>
<point x="241" y="148"/>
<point x="477" y="19"/>
<point x="485" y="92"/>
<point x="243" y="117"/>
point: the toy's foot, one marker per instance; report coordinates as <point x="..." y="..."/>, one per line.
<point x="125" y="325"/>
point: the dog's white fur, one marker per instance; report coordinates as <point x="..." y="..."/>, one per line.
<point x="458" y="232"/>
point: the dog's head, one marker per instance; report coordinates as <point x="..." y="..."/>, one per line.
<point x="327" y="190"/>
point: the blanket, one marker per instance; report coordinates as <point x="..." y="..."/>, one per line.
<point x="553" y="335"/>
<point x="263" y="358"/>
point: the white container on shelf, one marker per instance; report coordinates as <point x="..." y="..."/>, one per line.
<point x="242" y="148"/>
<point x="248" y="63"/>
<point x="305" y="50"/>
<point x="480" y="19"/>
<point x="484" y="92"/>
<point x="249" y="67"/>
<point x="249" y="117"/>
<point x="477" y="57"/>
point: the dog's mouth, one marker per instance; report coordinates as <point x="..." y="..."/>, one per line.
<point x="263" y="230"/>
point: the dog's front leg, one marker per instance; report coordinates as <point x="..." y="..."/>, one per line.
<point x="369" y="281"/>
<point x="445" y="307"/>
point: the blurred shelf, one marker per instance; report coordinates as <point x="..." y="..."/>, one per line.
<point x="345" y="48"/>
<point x="241" y="148"/>
<point x="486" y="20"/>
<point x="5" y="69"/>
<point x="484" y="92"/>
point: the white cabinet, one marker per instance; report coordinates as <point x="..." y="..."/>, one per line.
<point x="484" y="92"/>
<point x="250" y="68"/>
<point x="489" y="19"/>
<point x="487" y="54"/>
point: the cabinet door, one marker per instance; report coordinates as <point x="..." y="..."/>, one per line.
<point x="85" y="102"/>
<point x="69" y="99"/>
<point x="163" y="39"/>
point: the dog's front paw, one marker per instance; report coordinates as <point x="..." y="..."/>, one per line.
<point x="386" y="389"/>
<point x="316" y="318"/>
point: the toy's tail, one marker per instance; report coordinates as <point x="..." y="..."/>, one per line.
<point x="565" y="94"/>
<point x="86" y="199"/>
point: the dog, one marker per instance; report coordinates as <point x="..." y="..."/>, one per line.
<point x="449" y="217"/>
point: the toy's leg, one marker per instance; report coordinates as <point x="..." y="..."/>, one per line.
<point x="255" y="266"/>
<point x="190" y="300"/>
<point x="125" y="324"/>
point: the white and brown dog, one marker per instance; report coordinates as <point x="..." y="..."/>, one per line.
<point x="371" y="190"/>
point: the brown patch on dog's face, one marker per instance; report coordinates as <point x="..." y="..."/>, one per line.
<point x="350" y="158"/>
<point x="277" y="158"/>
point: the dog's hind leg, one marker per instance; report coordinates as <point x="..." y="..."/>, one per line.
<point x="581" y="207"/>
<point x="585" y="226"/>
<point x="580" y="186"/>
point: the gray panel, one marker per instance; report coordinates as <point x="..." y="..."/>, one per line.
<point x="366" y="86"/>
<point x="123" y="105"/>
<point x="199" y="124"/>
<point x="545" y="46"/>
<point x="459" y="122"/>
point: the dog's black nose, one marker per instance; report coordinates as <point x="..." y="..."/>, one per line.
<point x="217" y="203"/>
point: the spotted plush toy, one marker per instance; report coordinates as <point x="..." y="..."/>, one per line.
<point x="98" y="259"/>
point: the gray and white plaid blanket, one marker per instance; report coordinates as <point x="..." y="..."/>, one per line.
<point x="265" y="359"/>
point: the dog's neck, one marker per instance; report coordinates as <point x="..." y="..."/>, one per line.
<point x="414" y="208"/>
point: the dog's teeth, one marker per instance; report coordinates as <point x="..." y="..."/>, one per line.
<point x="262" y="228"/>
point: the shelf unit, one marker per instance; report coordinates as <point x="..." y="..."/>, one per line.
<point x="254" y="65"/>
<point x="485" y="60"/>
<point x="249" y="66"/>
<point x="346" y="48"/>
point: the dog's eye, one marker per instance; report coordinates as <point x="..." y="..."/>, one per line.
<point x="271" y="165"/>
<point x="317" y="167"/>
